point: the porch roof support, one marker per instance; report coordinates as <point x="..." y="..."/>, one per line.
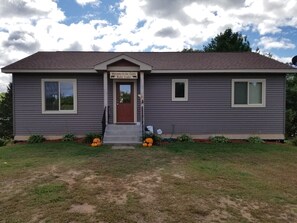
<point x="142" y="98"/>
<point x="105" y="92"/>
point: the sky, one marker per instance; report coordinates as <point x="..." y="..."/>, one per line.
<point x="28" y="26"/>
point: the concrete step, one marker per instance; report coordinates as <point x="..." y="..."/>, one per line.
<point x="122" y="134"/>
<point x="115" y="138"/>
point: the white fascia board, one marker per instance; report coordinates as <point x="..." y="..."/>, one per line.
<point x="286" y="71"/>
<point x="49" y="71"/>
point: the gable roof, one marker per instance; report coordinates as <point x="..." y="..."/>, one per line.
<point x="158" y="62"/>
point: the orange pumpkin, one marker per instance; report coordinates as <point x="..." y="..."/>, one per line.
<point x="144" y="144"/>
<point x="94" y="144"/>
<point x="96" y="140"/>
<point x="149" y="140"/>
<point x="149" y="144"/>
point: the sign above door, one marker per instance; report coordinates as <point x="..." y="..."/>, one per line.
<point x="123" y="75"/>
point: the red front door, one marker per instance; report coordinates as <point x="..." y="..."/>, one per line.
<point x="125" y="102"/>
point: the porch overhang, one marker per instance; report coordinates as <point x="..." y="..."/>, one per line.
<point x="104" y="65"/>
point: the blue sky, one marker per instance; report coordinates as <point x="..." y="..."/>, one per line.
<point x="27" y="26"/>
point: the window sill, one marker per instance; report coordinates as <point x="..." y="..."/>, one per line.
<point x="179" y="99"/>
<point x="58" y="112"/>
<point x="248" y="106"/>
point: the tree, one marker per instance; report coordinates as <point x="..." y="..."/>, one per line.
<point x="190" y="50"/>
<point x="225" y="42"/>
<point x="228" y="42"/>
<point x="291" y="108"/>
<point x="6" y="122"/>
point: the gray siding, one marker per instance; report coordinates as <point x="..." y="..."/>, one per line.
<point x="28" y="115"/>
<point x="208" y="109"/>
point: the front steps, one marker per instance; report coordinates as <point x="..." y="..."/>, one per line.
<point x="122" y="134"/>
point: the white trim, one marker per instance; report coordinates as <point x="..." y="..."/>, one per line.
<point x="194" y="136"/>
<point x="185" y="81"/>
<point x="229" y="136"/>
<point x="115" y="99"/>
<point x="105" y="92"/>
<point x="142" y="97"/>
<point x="165" y="71"/>
<point x="228" y="71"/>
<point x="74" y="82"/>
<point x="248" y="105"/>
<point x="49" y="71"/>
<point x="103" y="65"/>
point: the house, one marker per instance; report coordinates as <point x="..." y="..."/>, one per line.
<point x="201" y="94"/>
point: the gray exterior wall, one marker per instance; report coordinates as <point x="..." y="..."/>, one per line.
<point x="28" y="117"/>
<point x="208" y="109"/>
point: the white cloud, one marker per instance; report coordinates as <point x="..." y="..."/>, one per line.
<point x="86" y="2"/>
<point x="268" y="43"/>
<point x="27" y="26"/>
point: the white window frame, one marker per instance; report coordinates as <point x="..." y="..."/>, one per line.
<point x="185" y="81"/>
<point x="74" y="82"/>
<point x="263" y="81"/>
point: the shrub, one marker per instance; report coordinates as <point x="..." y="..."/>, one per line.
<point x="255" y="140"/>
<point x="36" y="139"/>
<point x="294" y="141"/>
<point x="69" y="137"/>
<point x="219" y="139"/>
<point x="91" y="136"/>
<point x="184" y="138"/>
<point x="157" y="138"/>
<point x="3" y="142"/>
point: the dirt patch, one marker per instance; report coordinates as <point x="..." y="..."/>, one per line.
<point x="179" y="176"/>
<point x="118" y="190"/>
<point x="82" y="208"/>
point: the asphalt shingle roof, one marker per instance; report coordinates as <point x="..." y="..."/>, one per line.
<point x="67" y="60"/>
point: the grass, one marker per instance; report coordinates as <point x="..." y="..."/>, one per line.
<point x="180" y="182"/>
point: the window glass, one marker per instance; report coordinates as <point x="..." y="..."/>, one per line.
<point x="240" y="93"/>
<point x="51" y="96"/>
<point x="125" y="93"/>
<point x="66" y="95"/>
<point x="255" y="93"/>
<point x="179" y="89"/>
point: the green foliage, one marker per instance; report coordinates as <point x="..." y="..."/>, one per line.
<point x="2" y="95"/>
<point x="294" y="141"/>
<point x="91" y="136"/>
<point x="291" y="106"/>
<point x="36" y="139"/>
<point x="228" y="42"/>
<point x="190" y="50"/>
<point x="255" y="139"/>
<point x="49" y="193"/>
<point x="184" y="138"/>
<point x="3" y="142"/>
<point x="69" y="137"/>
<point x="219" y="139"/>
<point x="6" y="123"/>
<point x="157" y="138"/>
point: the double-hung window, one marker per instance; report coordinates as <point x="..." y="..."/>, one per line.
<point x="179" y="89"/>
<point x="59" y="96"/>
<point x="248" y="92"/>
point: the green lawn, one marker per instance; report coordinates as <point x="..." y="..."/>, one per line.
<point x="190" y="182"/>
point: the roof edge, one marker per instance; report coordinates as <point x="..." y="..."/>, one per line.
<point x="274" y="71"/>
